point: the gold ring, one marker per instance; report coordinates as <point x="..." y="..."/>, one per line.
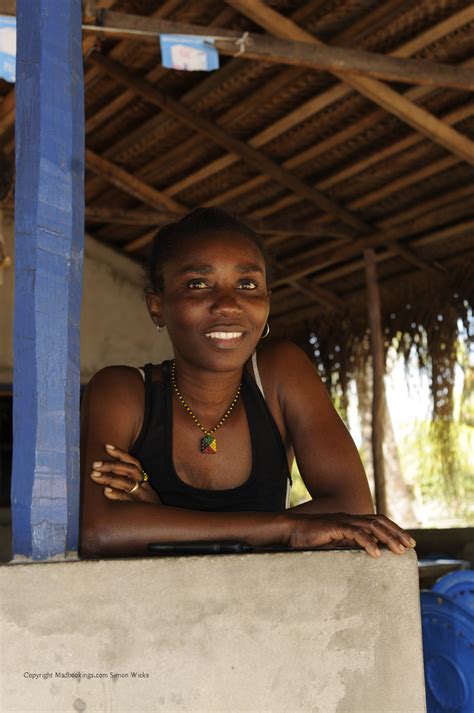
<point x="135" y="487"/>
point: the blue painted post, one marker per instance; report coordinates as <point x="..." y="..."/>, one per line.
<point x="49" y="225"/>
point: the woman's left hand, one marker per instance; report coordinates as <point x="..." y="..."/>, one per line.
<point x="122" y="476"/>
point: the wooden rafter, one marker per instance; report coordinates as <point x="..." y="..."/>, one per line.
<point x="114" y="216"/>
<point x="271" y="132"/>
<point x="347" y="172"/>
<point x="247" y="153"/>
<point x="269" y="49"/>
<point x="424" y="217"/>
<point x="125" y="181"/>
<point x="378" y="92"/>
<point x="140" y="190"/>
<point x="306" y="267"/>
<point x="287" y="122"/>
<point x="337" y="143"/>
<point x="294" y="316"/>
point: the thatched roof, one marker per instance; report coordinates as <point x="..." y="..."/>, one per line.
<point x="324" y="163"/>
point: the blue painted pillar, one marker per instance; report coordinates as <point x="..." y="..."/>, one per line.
<point x="49" y="230"/>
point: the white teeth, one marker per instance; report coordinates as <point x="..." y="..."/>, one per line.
<point x="224" y="335"/>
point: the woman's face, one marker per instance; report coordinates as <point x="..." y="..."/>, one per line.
<point x="215" y="301"/>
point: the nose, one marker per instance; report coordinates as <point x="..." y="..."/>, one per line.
<point x="225" y="302"/>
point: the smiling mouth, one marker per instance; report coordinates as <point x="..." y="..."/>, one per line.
<point x="225" y="340"/>
<point x="224" y="335"/>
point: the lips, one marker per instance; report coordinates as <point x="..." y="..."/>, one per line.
<point x="225" y="338"/>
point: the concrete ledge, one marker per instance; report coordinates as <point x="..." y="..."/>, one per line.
<point x="325" y="632"/>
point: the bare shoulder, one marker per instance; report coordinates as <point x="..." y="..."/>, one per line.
<point x="117" y="382"/>
<point x="114" y="402"/>
<point x="278" y="352"/>
<point x="281" y="362"/>
<point x="290" y="380"/>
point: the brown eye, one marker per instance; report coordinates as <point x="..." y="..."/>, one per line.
<point x="197" y="284"/>
<point x="248" y="285"/>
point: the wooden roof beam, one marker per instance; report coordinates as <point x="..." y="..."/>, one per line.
<point x="346" y="252"/>
<point x="128" y="183"/>
<point x="317" y="293"/>
<point x="313" y="106"/>
<point x="343" y="270"/>
<point x="379" y="93"/>
<point x="398" y="184"/>
<point x="119" y="52"/>
<point x="327" y="144"/>
<point x="352" y="62"/>
<point x="306" y="110"/>
<point x="114" y="216"/>
<point x="429" y="215"/>
<point x="140" y="190"/>
<point x="338" y="60"/>
<point x="244" y="151"/>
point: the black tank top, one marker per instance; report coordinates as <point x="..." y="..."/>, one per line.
<point x="265" y="490"/>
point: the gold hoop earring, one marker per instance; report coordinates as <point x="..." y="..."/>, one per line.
<point x="267" y="326"/>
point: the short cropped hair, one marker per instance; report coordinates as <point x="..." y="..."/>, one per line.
<point x="201" y="220"/>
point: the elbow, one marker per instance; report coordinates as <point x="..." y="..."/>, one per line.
<point x="94" y="539"/>
<point x="90" y="545"/>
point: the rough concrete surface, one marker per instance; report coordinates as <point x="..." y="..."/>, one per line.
<point x="320" y="632"/>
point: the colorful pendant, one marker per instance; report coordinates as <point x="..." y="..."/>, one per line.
<point x="208" y="444"/>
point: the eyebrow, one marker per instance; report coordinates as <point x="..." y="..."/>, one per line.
<point x="208" y="269"/>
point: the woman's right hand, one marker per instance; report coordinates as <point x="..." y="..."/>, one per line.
<point x="343" y="529"/>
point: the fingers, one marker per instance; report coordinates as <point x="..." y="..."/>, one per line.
<point x="114" y="481"/>
<point x="363" y="539"/>
<point x="121" y="473"/>
<point x="391" y="534"/>
<point x="122" y="455"/>
<point x="367" y="531"/>
<point x="384" y="529"/>
<point x="405" y="538"/>
<point x="113" y="494"/>
<point x="130" y="471"/>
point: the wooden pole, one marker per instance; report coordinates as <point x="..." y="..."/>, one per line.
<point x="378" y="369"/>
<point x="49" y="235"/>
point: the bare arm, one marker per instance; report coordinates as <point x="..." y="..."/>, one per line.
<point x="110" y="413"/>
<point x="327" y="457"/>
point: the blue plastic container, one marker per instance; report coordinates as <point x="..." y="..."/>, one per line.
<point x="448" y="645"/>
<point x="458" y="586"/>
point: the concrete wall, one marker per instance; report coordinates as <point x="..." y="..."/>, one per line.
<point x="115" y="325"/>
<point x="319" y="632"/>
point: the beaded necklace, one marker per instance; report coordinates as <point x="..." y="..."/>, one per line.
<point x="208" y="443"/>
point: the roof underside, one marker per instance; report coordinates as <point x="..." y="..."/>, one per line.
<point x="358" y="172"/>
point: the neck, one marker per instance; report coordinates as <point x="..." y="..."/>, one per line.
<point x="202" y="386"/>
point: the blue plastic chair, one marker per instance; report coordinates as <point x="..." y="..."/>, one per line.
<point x="458" y="586"/>
<point x="448" y="646"/>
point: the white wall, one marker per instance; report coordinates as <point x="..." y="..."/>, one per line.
<point x="115" y="325"/>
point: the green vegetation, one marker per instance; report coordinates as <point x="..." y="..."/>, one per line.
<point x="443" y="492"/>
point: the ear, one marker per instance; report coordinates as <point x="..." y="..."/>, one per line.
<point x="269" y="295"/>
<point x="154" y="304"/>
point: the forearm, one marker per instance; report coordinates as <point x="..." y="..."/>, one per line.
<point x="125" y="528"/>
<point x="335" y="503"/>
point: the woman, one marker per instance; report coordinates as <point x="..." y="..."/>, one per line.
<point x="202" y="450"/>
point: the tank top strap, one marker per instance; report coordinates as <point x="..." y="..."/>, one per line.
<point x="256" y="373"/>
<point x="147" y="412"/>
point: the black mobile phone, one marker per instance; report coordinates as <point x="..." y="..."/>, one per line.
<point x="212" y="547"/>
